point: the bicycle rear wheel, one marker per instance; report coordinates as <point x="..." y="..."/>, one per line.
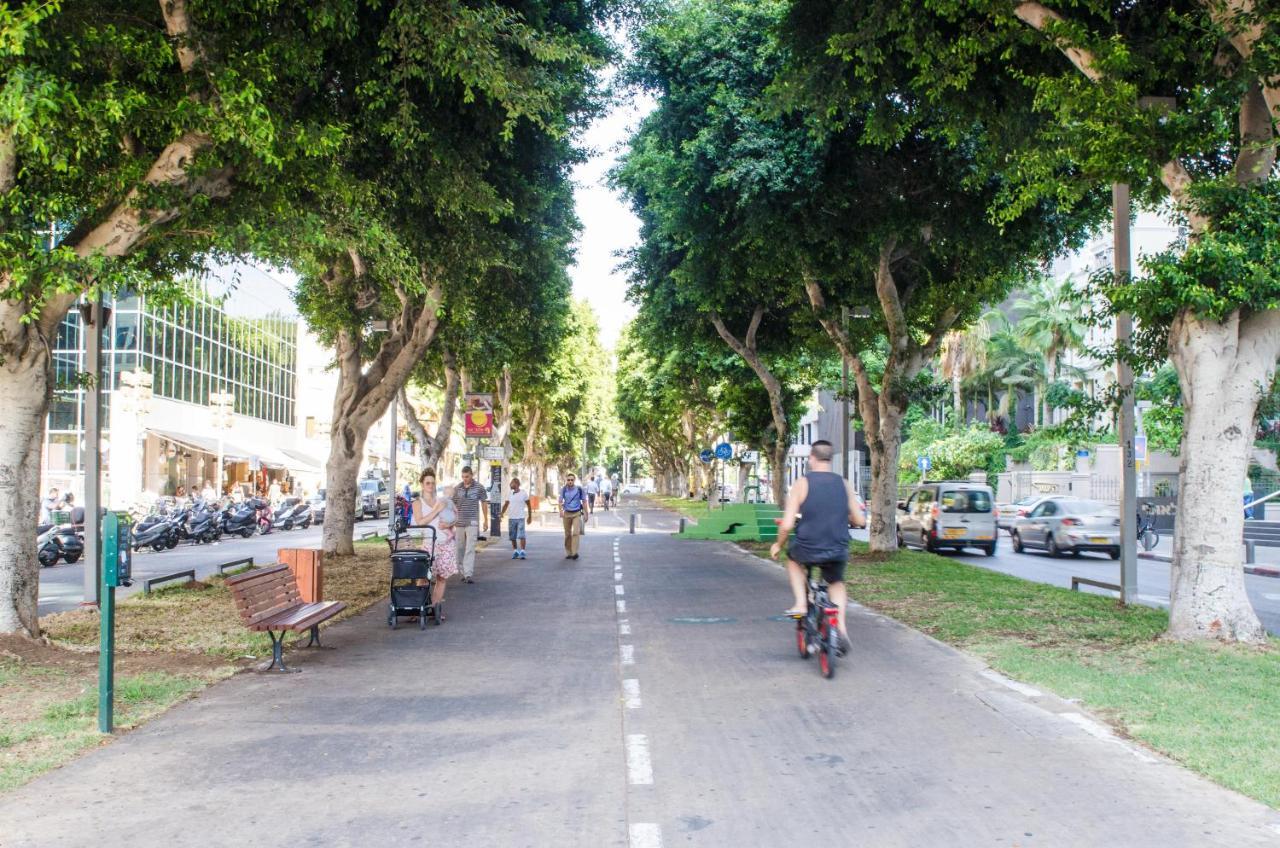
<point x="828" y="644"/>
<point x="802" y="640"/>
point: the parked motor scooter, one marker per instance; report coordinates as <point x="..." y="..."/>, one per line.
<point x="294" y="512"/>
<point x="48" y="550"/>
<point x="71" y="541"/>
<point x="157" y="532"/>
<point x="263" y="515"/>
<point x="240" y="519"/>
<point x="205" y="524"/>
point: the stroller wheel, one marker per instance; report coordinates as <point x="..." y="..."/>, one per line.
<point x="422" y="619"/>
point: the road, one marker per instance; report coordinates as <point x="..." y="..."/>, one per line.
<point x="646" y="695"/>
<point x="62" y="585"/>
<point x="1153" y="576"/>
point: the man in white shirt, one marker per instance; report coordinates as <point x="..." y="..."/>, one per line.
<point x="606" y="491"/>
<point x="521" y="510"/>
<point x="593" y="489"/>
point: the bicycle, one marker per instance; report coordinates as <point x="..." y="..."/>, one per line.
<point x="818" y="630"/>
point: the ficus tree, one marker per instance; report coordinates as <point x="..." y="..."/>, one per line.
<point x="134" y="138"/>
<point x="1179" y="100"/>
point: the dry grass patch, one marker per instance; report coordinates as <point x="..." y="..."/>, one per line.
<point x="169" y="645"/>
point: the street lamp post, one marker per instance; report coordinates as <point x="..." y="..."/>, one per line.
<point x="93" y="320"/>
<point x="222" y="407"/>
<point x="1125" y="417"/>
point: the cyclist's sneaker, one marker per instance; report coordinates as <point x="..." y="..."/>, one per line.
<point x="794" y="613"/>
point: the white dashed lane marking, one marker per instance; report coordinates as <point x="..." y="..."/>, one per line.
<point x="617" y="590"/>
<point x="628" y="654"/>
<point x="645" y="836"/>
<point x="631" y="693"/>
<point x="639" y="765"/>
<point x="624" y="628"/>
<point x="622" y="606"/>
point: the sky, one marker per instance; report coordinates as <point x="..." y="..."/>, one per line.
<point x="607" y="224"/>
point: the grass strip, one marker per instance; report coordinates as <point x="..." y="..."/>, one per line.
<point x="1210" y="706"/>
<point x="695" y="509"/>
<point x="170" y="644"/>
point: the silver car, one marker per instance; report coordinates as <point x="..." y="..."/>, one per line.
<point x="1069" y="525"/>
<point x="1008" y="513"/>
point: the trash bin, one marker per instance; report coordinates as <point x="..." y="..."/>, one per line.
<point x="307" y="565"/>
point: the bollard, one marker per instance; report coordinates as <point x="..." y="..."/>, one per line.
<point x="682" y="525"/>
<point x="595" y="521"/>
<point x="633" y="524"/>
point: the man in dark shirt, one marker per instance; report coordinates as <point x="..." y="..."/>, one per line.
<point x="825" y="507"/>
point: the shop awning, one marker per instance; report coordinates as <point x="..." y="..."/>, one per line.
<point x="204" y="444"/>
<point x="302" y="461"/>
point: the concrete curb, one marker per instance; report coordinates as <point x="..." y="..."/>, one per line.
<point x="1256" y="570"/>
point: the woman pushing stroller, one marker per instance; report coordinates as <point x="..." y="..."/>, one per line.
<point x="430" y="510"/>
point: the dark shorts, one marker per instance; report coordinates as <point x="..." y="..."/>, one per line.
<point x="832" y="572"/>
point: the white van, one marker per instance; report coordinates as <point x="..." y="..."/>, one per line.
<point x="948" y="515"/>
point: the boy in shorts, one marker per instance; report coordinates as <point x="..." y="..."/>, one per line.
<point x="519" y="505"/>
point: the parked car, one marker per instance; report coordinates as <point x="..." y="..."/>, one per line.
<point x="1008" y="513"/>
<point x="375" y="500"/>
<point x="633" y="489"/>
<point x="952" y="514"/>
<point x="1069" y="525"/>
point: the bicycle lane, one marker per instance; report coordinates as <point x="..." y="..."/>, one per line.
<point x="912" y="743"/>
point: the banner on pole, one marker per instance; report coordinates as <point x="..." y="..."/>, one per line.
<point x="479" y="415"/>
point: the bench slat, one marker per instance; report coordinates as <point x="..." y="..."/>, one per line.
<point x="302" y="617"/>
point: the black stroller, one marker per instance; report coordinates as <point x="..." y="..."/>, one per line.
<point x="412" y="579"/>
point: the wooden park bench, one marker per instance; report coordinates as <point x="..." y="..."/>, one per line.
<point x="268" y="601"/>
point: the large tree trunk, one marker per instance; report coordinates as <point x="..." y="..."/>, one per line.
<point x="25" y="380"/>
<point x="778" y="459"/>
<point x="346" y="451"/>
<point x="885" y="448"/>
<point x="747" y="350"/>
<point x="1223" y="368"/>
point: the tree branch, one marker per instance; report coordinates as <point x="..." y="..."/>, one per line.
<point x="1041" y="18"/>
<point x="887" y="292"/>
<point x="8" y="161"/>
<point x="177" y="23"/>
<point x="1257" y="143"/>
<point x="754" y="327"/>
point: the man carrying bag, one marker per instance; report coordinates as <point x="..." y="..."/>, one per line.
<point x="573" y="512"/>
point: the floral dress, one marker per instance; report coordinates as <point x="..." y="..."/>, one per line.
<point x="446" y="560"/>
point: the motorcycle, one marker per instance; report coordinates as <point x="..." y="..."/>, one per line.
<point x="71" y="541"/>
<point x="48" y="549"/>
<point x="240" y="519"/>
<point x="404" y="513"/>
<point x="263" y="515"/>
<point x="157" y="531"/>
<point x="205" y="524"/>
<point x="294" y="512"/>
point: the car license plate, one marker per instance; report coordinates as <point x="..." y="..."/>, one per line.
<point x="1099" y="540"/>
<point x="953" y="532"/>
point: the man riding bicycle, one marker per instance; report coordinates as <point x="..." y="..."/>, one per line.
<point x="825" y="506"/>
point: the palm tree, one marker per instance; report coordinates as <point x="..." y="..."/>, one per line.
<point x="1052" y="322"/>
<point x="1009" y="368"/>
<point x="964" y="355"/>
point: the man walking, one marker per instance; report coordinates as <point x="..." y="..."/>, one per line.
<point x="468" y="498"/>
<point x="520" y="511"/>
<point x="593" y="489"/>
<point x="606" y="492"/>
<point x="573" y="509"/>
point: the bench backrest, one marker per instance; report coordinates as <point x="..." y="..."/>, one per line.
<point x="264" y="592"/>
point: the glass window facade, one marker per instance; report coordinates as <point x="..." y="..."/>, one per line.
<point x="190" y="348"/>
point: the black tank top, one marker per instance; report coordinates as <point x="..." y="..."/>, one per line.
<point x="822" y="533"/>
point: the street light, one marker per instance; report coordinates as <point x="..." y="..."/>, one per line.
<point x="222" y="409"/>
<point x="385" y="327"/>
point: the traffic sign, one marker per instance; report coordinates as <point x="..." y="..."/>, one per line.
<point x="492" y="452"/>
<point x="1140" y="448"/>
<point x="706" y="455"/>
<point x="750" y="458"/>
<point x="724" y="450"/>
<point x="923" y="463"/>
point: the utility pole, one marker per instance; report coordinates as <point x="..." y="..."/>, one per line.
<point x="844" y="400"/>
<point x="93" y="319"/>
<point x="1124" y="417"/>
<point x="391" y="474"/>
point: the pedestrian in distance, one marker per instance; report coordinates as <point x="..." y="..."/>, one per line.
<point x="606" y="491"/>
<point x="273" y="494"/>
<point x="521" y="510"/>
<point x="593" y="491"/>
<point x="821" y="507"/>
<point x="573" y="512"/>
<point x="209" y="494"/>
<point x="52" y="501"/>
<point x="469" y="499"/>
<point x="430" y="510"/>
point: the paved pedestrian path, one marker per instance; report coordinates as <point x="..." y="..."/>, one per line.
<point x="642" y="696"/>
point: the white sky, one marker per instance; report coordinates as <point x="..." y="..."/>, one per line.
<point x="607" y="224"/>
